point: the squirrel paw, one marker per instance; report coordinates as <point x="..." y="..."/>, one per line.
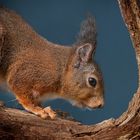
<point x="46" y="113"/>
<point x="50" y="112"/>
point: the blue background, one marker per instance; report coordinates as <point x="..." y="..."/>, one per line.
<point x="59" y="22"/>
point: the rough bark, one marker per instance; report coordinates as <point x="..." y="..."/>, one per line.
<point x="17" y="124"/>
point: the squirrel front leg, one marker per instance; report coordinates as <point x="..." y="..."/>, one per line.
<point x="29" y="100"/>
<point x="31" y="105"/>
<point x="25" y="81"/>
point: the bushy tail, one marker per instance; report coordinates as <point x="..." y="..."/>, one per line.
<point x="2" y="39"/>
<point x="87" y="32"/>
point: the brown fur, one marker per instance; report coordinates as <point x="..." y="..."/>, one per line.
<point x="33" y="67"/>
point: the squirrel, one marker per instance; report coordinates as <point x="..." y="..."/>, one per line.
<point x="34" y="68"/>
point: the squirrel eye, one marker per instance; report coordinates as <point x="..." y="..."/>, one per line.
<point x="92" y="81"/>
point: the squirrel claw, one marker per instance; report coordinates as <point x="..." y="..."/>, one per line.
<point x="43" y="114"/>
<point x="50" y="112"/>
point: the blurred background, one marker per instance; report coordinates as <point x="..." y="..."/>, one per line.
<point x="59" y="21"/>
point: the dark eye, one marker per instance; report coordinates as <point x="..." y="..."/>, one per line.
<point x="92" y="81"/>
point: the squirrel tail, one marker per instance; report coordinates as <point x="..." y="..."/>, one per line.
<point x="87" y="32"/>
<point x="2" y="39"/>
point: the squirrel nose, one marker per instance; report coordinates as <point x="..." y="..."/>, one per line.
<point x="100" y="105"/>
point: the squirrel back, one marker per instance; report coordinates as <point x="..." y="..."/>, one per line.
<point x="17" y="38"/>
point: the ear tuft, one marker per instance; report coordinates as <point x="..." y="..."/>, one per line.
<point x="87" y="32"/>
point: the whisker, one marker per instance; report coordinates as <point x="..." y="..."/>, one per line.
<point x="88" y="108"/>
<point x="10" y="101"/>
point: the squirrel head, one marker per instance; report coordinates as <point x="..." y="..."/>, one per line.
<point x="83" y="83"/>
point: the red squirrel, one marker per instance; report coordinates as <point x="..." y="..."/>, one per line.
<point x="33" y="67"/>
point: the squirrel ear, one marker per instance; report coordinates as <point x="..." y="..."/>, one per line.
<point x="85" y="52"/>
